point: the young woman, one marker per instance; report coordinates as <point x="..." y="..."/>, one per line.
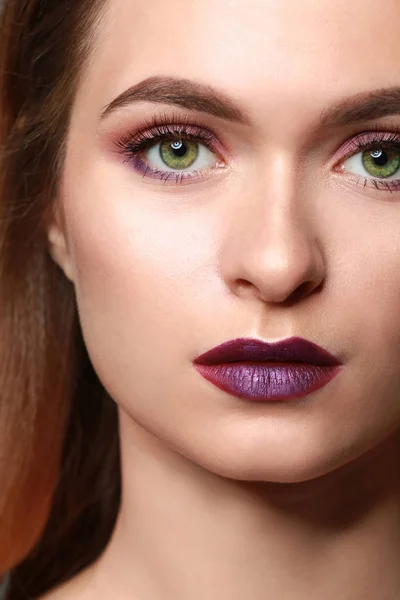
<point x="200" y="300"/>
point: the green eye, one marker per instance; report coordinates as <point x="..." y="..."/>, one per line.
<point x="381" y="163"/>
<point x="179" y="154"/>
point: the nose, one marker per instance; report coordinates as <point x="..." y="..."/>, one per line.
<point x="271" y="250"/>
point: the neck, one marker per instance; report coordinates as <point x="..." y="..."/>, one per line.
<point x="184" y="532"/>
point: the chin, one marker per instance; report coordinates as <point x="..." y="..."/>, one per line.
<point x="313" y="465"/>
<point x="291" y="466"/>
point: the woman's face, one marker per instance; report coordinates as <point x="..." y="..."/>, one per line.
<point x="174" y="254"/>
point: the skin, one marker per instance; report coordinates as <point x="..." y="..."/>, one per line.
<point x="224" y="499"/>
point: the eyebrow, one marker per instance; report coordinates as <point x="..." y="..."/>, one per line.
<point x="364" y="106"/>
<point x="204" y="98"/>
<point x="180" y="92"/>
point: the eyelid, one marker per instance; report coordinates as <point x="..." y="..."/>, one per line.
<point x="374" y="138"/>
<point x="365" y="139"/>
<point x="133" y="146"/>
<point x="141" y="146"/>
<point x="221" y="142"/>
<point x="223" y="149"/>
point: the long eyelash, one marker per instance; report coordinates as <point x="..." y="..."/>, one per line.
<point x="164" y="126"/>
<point x="170" y="126"/>
<point x="381" y="140"/>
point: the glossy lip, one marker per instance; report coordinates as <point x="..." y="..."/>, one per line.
<point x="294" y="349"/>
<point x="259" y="371"/>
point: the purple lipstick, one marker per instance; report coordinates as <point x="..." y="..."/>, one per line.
<point x="255" y="370"/>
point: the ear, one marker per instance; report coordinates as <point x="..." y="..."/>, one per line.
<point x="58" y="246"/>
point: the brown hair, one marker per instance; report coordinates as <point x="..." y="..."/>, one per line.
<point x="59" y="447"/>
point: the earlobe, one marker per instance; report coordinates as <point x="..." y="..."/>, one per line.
<point x="58" y="249"/>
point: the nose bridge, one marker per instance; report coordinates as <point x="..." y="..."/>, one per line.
<point x="271" y="243"/>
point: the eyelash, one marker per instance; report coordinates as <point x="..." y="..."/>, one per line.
<point x="159" y="129"/>
<point x="375" y="139"/>
<point x="177" y="126"/>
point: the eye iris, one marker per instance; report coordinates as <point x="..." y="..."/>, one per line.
<point x="381" y="163"/>
<point x="179" y="154"/>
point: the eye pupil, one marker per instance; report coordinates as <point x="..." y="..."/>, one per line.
<point x="380" y="157"/>
<point x="179" y="148"/>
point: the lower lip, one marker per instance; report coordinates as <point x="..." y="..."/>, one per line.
<point x="272" y="381"/>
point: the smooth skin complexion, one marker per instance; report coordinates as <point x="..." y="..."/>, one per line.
<point x="276" y="229"/>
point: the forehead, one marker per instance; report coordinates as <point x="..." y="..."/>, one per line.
<point x="267" y="52"/>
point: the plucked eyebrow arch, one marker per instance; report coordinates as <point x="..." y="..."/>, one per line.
<point x="179" y="92"/>
<point x="374" y="104"/>
<point x="196" y="96"/>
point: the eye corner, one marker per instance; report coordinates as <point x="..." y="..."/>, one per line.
<point x="338" y="166"/>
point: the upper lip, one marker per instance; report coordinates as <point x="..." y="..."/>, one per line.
<point x="294" y="349"/>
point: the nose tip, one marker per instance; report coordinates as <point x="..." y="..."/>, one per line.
<point x="284" y="287"/>
<point x="280" y="267"/>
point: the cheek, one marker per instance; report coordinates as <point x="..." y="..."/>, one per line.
<point x="366" y="280"/>
<point x="137" y="268"/>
